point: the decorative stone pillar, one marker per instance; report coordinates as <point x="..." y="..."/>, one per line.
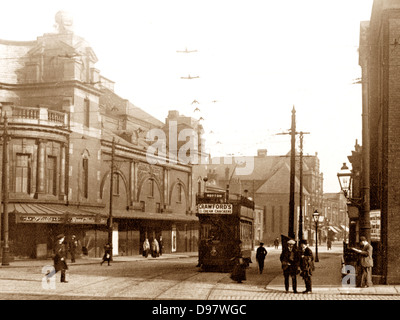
<point x="62" y="172"/>
<point x="40" y="173"/>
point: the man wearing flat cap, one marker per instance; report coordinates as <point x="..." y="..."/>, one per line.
<point x="306" y="264"/>
<point x="290" y="260"/>
<point x="60" y="257"/>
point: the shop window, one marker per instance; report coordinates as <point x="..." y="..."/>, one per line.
<point x="23" y="173"/>
<point x="51" y="175"/>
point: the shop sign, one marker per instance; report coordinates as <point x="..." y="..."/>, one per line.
<point x="214" y="195"/>
<point x="39" y="219"/>
<point x="375" y="221"/>
<point x="215" y="208"/>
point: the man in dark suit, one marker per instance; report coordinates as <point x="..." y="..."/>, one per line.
<point x="306" y="264"/>
<point x="366" y="262"/>
<point x="290" y="260"/>
<point x="60" y="257"/>
<point x="260" y="256"/>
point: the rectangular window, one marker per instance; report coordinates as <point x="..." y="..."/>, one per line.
<point x="158" y="207"/>
<point x="85" y="177"/>
<point x="86" y="113"/>
<point x="51" y="175"/>
<point x="23" y="173"/>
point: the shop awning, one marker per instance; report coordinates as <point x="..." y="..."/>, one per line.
<point x="333" y="229"/>
<point x="52" y="213"/>
<point x="344" y="228"/>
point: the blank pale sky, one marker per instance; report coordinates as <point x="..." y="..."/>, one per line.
<point x="256" y="58"/>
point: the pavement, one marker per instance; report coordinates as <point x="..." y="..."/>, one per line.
<point x="327" y="278"/>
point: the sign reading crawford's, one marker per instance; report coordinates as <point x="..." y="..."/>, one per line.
<point x="210" y="208"/>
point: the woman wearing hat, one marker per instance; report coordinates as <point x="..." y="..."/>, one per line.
<point x="60" y="257"/>
<point x="290" y="260"/>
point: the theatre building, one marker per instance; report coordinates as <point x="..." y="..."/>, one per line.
<point x="67" y="138"/>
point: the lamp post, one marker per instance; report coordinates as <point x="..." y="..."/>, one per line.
<point x="345" y="177"/>
<point x="316" y="219"/>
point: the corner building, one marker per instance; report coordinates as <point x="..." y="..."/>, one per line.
<point x="65" y="126"/>
<point x="380" y="60"/>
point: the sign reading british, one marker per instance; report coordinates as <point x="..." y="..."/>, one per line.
<point x="210" y="208"/>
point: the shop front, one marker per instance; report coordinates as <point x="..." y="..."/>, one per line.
<point x="34" y="227"/>
<point x="178" y="233"/>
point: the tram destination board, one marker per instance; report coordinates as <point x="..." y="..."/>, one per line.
<point x="215" y="208"/>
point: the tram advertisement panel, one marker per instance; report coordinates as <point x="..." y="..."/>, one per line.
<point x="215" y="208"/>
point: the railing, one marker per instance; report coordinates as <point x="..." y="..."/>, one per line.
<point x="36" y="115"/>
<point x="25" y="112"/>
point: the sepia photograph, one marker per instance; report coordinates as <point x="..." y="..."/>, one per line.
<point x="199" y="158"/>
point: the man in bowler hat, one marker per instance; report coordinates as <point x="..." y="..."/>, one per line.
<point x="290" y="260"/>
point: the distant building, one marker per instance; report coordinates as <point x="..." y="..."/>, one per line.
<point x="267" y="182"/>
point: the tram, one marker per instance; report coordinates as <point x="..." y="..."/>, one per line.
<point x="226" y="229"/>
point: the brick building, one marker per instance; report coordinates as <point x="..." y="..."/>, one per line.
<point x="380" y="61"/>
<point x="267" y="182"/>
<point x="66" y="125"/>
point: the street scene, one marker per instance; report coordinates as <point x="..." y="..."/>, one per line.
<point x="176" y="277"/>
<point x="184" y="151"/>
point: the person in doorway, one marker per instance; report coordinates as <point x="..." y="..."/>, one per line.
<point x="306" y="265"/>
<point x="107" y="254"/>
<point x="155" y="248"/>
<point x="290" y="261"/>
<point x="60" y="257"/>
<point x="366" y="262"/>
<point x="261" y="253"/>
<point x="146" y="248"/>
<point x="72" y="247"/>
<point x="161" y="245"/>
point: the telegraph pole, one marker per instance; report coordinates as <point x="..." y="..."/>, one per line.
<point x="6" y="250"/>
<point x="293" y="133"/>
<point x="301" y="185"/>
<point x="292" y="174"/>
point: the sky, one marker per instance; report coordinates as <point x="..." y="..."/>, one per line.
<point x="255" y="59"/>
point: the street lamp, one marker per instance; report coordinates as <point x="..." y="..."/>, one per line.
<point x="316" y="219"/>
<point x="345" y="177"/>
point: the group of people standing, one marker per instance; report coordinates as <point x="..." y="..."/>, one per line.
<point x="155" y="249"/>
<point x="297" y="260"/>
